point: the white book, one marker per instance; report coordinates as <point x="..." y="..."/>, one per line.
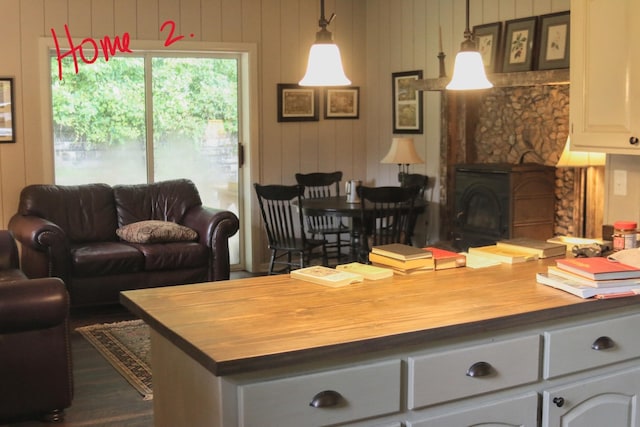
<point x="611" y="283"/>
<point x="326" y="276"/>
<point x="584" y="291"/>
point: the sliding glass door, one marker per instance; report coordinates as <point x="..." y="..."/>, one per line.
<point x="151" y="117"/>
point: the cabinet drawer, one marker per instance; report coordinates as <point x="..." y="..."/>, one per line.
<point x="444" y="376"/>
<point x="366" y="391"/>
<point x="570" y="350"/>
<point x="514" y="411"/>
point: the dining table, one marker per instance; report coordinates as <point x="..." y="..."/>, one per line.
<point x="339" y="206"/>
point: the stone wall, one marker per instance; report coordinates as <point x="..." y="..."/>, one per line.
<point x="529" y="124"/>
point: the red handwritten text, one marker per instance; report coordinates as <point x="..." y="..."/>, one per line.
<point x="109" y="48"/>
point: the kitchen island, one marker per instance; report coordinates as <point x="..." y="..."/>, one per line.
<point x="275" y="351"/>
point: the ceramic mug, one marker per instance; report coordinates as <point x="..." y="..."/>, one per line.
<point x="351" y="190"/>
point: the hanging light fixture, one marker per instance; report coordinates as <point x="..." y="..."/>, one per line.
<point x="325" y="65"/>
<point x="468" y="69"/>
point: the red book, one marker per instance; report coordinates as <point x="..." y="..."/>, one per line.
<point x="598" y="268"/>
<point x="443" y="258"/>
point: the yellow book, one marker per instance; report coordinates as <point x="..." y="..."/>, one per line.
<point x="369" y="272"/>
<point x="326" y="276"/>
<point x="505" y="255"/>
<point x="402" y="265"/>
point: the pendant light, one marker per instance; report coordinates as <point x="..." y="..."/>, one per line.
<point x="325" y="65"/>
<point x="468" y="69"/>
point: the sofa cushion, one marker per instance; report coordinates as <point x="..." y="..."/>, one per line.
<point x="153" y="231"/>
<point x="174" y="255"/>
<point x="86" y="213"/>
<point x="105" y="258"/>
<point x="164" y="201"/>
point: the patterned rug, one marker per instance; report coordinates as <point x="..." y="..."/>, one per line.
<point x="126" y="346"/>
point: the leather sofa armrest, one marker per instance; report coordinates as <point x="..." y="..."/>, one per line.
<point x="211" y="224"/>
<point x="36" y="232"/>
<point x="214" y="227"/>
<point x="32" y="304"/>
<point x="38" y="235"/>
<point x="9" y="258"/>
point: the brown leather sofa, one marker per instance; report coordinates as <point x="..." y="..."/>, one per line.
<point x="35" y="359"/>
<point x="70" y="232"/>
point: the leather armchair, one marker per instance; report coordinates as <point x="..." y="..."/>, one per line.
<point x="35" y="357"/>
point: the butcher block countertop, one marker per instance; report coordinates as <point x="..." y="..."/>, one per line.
<point x="237" y="326"/>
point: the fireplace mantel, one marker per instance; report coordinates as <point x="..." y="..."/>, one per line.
<point x="526" y="78"/>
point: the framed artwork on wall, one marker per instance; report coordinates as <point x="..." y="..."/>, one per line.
<point x="7" y="111"/>
<point x="407" y="102"/>
<point x="518" y="46"/>
<point x="554" y="41"/>
<point x="342" y="103"/>
<point x="487" y="37"/>
<point x="297" y="103"/>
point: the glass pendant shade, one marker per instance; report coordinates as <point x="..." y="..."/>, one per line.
<point x="469" y="72"/>
<point x="324" y="67"/>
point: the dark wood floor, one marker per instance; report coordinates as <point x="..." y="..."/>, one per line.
<point x="102" y="397"/>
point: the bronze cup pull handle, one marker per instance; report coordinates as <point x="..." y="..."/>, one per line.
<point x="603" y="343"/>
<point x="326" y="399"/>
<point x="479" y="369"/>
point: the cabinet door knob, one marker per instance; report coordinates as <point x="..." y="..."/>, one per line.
<point x="326" y="399"/>
<point x="559" y="401"/>
<point x="633" y="140"/>
<point x="479" y="369"/>
<point x="603" y="343"/>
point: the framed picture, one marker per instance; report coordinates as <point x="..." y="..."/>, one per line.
<point x="487" y="37"/>
<point x="297" y="103"/>
<point x="554" y="41"/>
<point x="342" y="103"/>
<point x="407" y="102"/>
<point x="7" y="110"/>
<point x="518" y="46"/>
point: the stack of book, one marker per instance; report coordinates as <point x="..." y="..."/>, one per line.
<point x="402" y="259"/>
<point x="520" y="249"/>
<point x="597" y="277"/>
<point x="444" y="259"/>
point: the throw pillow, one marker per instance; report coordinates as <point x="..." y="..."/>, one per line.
<point x="154" y="231"/>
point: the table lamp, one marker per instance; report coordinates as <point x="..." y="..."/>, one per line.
<point x="403" y="153"/>
<point x="587" y="182"/>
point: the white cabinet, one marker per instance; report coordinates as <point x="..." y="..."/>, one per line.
<point x="605" y="76"/>
<point x="610" y="401"/>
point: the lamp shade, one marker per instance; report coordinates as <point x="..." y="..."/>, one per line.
<point x="469" y="72"/>
<point x="324" y="67"/>
<point x="579" y="159"/>
<point x="402" y="151"/>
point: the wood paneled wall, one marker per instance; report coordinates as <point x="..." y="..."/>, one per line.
<point x="376" y="37"/>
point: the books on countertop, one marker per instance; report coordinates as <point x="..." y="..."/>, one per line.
<point x="504" y="255"/>
<point x="401" y="252"/>
<point x="584" y="291"/>
<point x="410" y="264"/>
<point x="443" y="259"/>
<point x="590" y="282"/>
<point x="598" y="268"/>
<point x="369" y="272"/>
<point x="326" y="276"/>
<point x="544" y="249"/>
<point x="404" y="271"/>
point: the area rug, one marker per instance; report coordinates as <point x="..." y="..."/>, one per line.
<point x="126" y="346"/>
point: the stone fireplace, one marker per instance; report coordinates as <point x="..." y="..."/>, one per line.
<point x="510" y="125"/>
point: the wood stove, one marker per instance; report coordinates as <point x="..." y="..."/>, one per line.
<point x="500" y="201"/>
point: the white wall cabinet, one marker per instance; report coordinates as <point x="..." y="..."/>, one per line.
<point x="605" y="76"/>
